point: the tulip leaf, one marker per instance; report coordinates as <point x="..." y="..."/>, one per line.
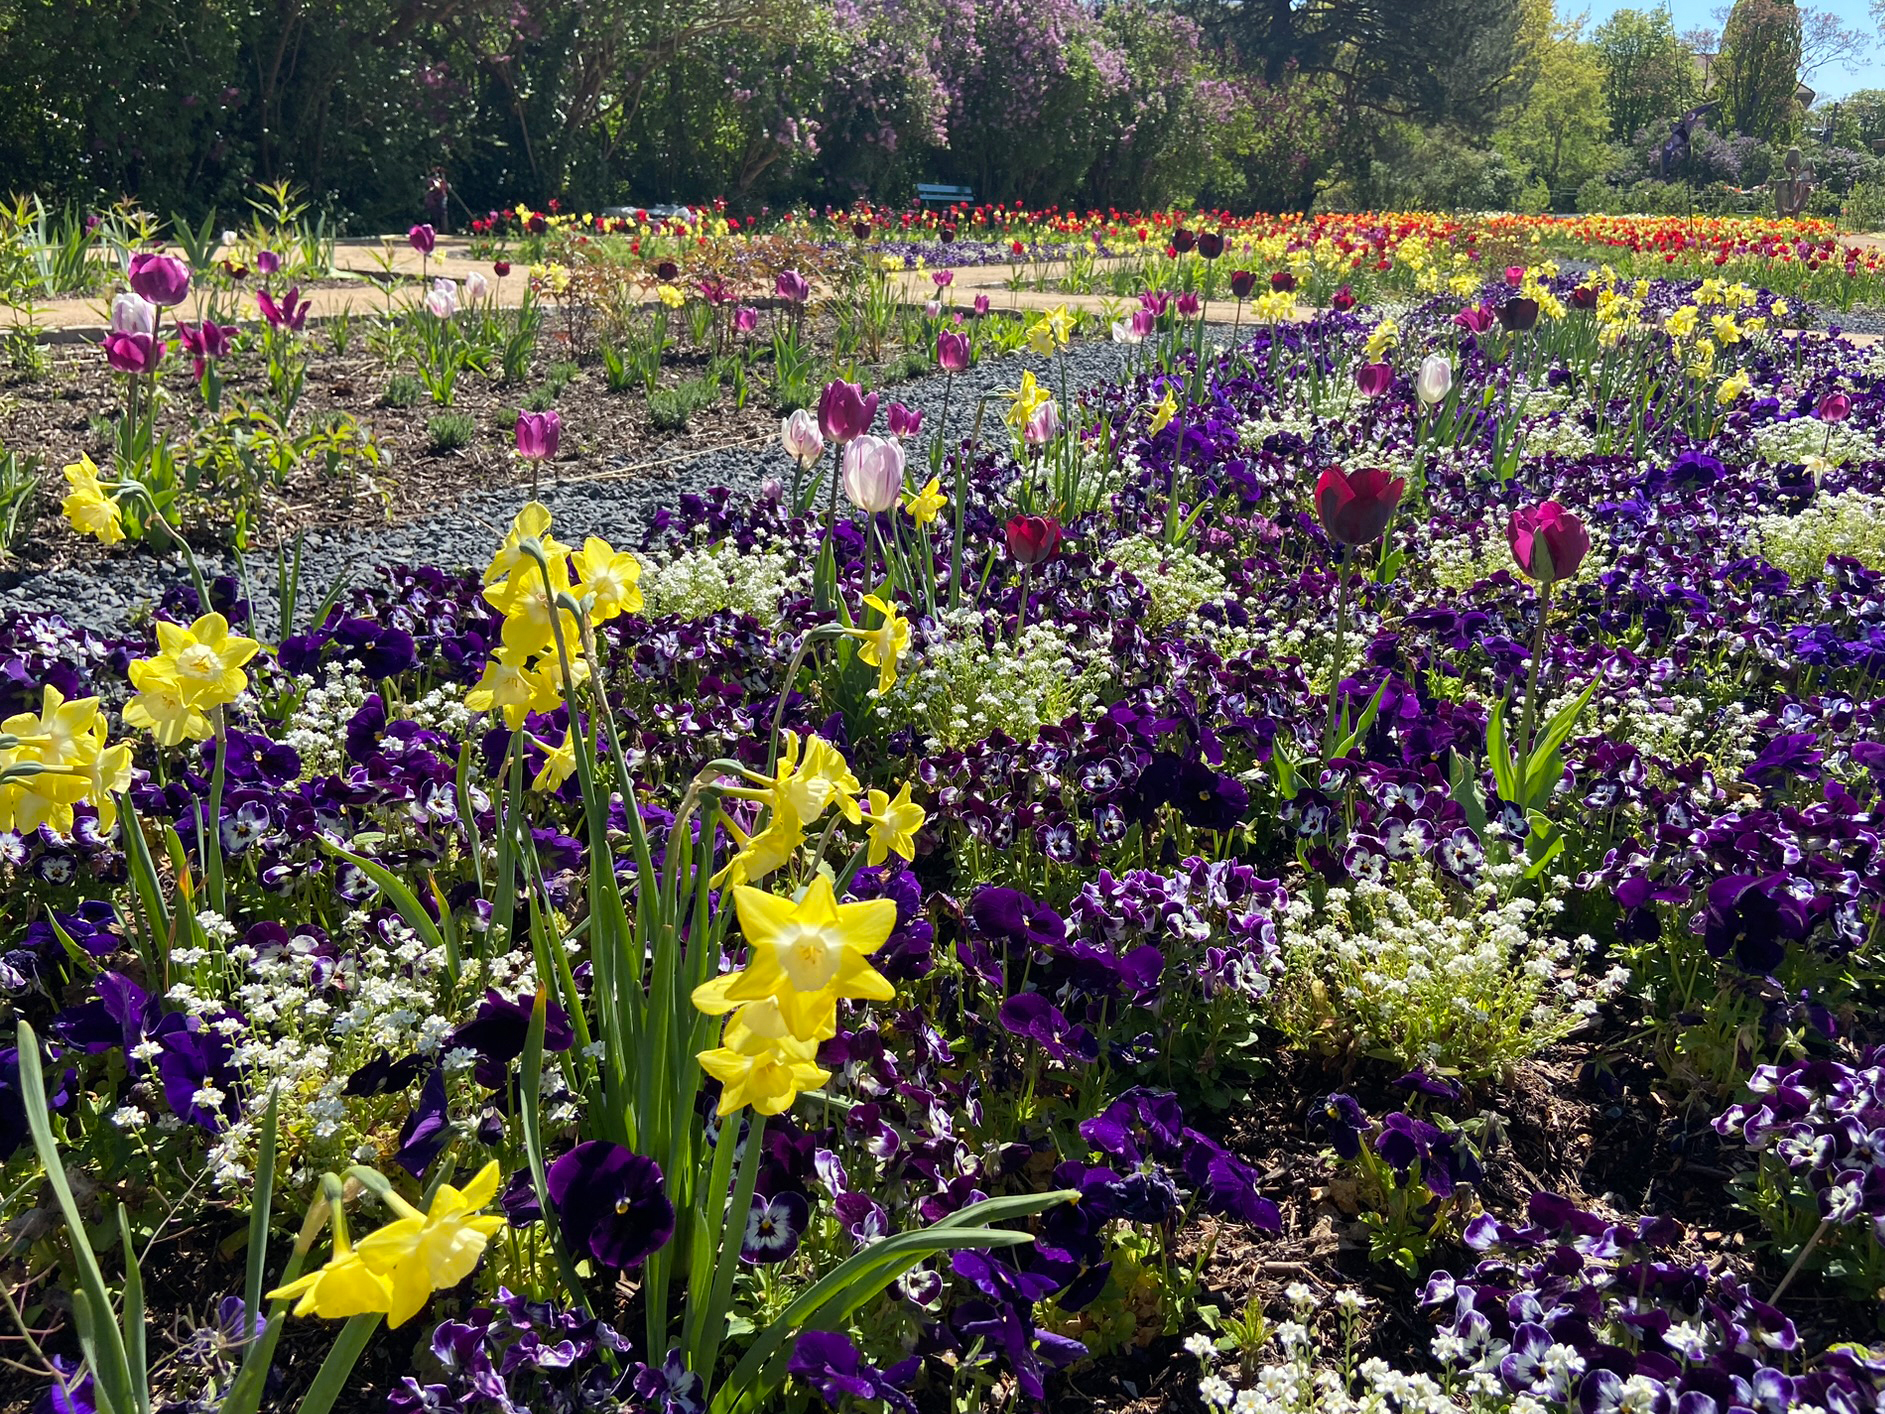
<point x="530" y="1120"/>
<point x="403" y="898"/>
<point x="1502" y="772"/>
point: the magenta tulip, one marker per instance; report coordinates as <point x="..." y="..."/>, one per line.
<point x="1475" y="319"/>
<point x="133" y="353"/>
<point x="422" y="238"/>
<point x="745" y="319"/>
<point x="981" y="304"/>
<point x="290" y="314"/>
<point x="267" y="262"/>
<point x="792" y="287"/>
<point x="1374" y="379"/>
<point x="845" y="411"/>
<point x="1834" y="407"/>
<point x="162" y="279"/>
<point x="952" y="351"/>
<point x="538" y="435"/>
<point x="1355" y="510"/>
<point x="904" y="421"/>
<point x="1548" y="542"/>
<point x="206" y="341"/>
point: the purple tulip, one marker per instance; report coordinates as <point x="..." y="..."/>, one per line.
<point x="745" y="319"/>
<point x="290" y="314"/>
<point x="1374" y="379"/>
<point x="792" y="287"/>
<point x="422" y="238"/>
<point x="904" y="422"/>
<point x="538" y="435"/>
<point x="845" y="411"/>
<point x="981" y="304"/>
<point x="952" y="351"/>
<point x="133" y="353"/>
<point x="267" y="262"/>
<point x="162" y="279"/>
<point x="206" y="341"/>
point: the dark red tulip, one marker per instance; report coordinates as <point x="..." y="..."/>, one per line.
<point x="1342" y="300"/>
<point x="1548" y="542"/>
<point x="1242" y="283"/>
<point x="1583" y="297"/>
<point x="1183" y="240"/>
<point x="501" y="268"/>
<point x="667" y="270"/>
<point x="1518" y="314"/>
<point x="1032" y="539"/>
<point x="1210" y="244"/>
<point x="1355" y="510"/>
<point x="1282" y="281"/>
<point x="861" y="229"/>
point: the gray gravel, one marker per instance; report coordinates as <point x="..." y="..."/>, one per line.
<point x="616" y="509"/>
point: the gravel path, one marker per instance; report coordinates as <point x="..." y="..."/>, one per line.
<point x="106" y="595"/>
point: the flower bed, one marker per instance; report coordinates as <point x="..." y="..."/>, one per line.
<point x="1056" y="882"/>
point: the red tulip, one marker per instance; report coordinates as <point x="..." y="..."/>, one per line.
<point x="1032" y="539"/>
<point x="1355" y="510"/>
<point x="1548" y="542"/>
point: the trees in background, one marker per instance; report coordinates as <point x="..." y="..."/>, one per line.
<point x="1647" y="72"/>
<point x="1250" y="103"/>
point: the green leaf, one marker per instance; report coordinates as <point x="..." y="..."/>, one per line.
<point x="1556" y="731"/>
<point x="395" y="889"/>
<point x="1466" y="792"/>
<point x="331" y="1380"/>
<point x="530" y="1120"/>
<point x="256" y="1267"/>
<point x="109" y="1361"/>
<point x="1353" y="739"/>
<point x="1503" y="775"/>
<point x="137" y="1362"/>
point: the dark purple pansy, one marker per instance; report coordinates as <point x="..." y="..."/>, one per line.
<point x="610" y="1203"/>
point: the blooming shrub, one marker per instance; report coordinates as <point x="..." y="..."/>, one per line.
<point x="1847" y="524"/>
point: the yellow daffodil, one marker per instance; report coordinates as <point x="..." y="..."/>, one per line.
<point x="511" y="686"/>
<point x="559" y="763"/>
<point x="1025" y="400"/>
<point x="107" y="774"/>
<point x="884" y="646"/>
<point x="893" y="825"/>
<point x="763" y="853"/>
<point x="925" y="505"/>
<point x="806" y="956"/>
<point x="1683" y="322"/>
<point x="1731" y="390"/>
<point x="764" y="1072"/>
<point x="1385" y="336"/>
<point x="56" y="751"/>
<point x="433" y="1251"/>
<point x="1780" y="308"/>
<point x="1164" y="412"/>
<point x="670" y="296"/>
<point x="344" y="1287"/>
<point x="161" y="708"/>
<point x="824" y="776"/>
<point x="531" y="523"/>
<point x="610" y="579"/>
<point x="1727" y="332"/>
<point x="528" y="603"/>
<point x="206" y="658"/>
<point x="87" y="508"/>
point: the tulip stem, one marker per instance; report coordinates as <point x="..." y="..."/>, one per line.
<point x="1341" y="632"/>
<point x="1531" y="686"/>
<point x="1021" y="614"/>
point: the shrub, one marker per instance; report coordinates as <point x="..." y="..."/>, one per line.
<point x="670" y="408"/>
<point x="403" y="390"/>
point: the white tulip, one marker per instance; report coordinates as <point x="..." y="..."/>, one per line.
<point x="442" y="299"/>
<point x="1435" y="379"/>
<point x="799" y="435"/>
<point x="873" y="472"/>
<point x="133" y="314"/>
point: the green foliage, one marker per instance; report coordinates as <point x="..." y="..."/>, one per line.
<point x="670" y="408"/>
<point x="1647" y="73"/>
<point x="403" y="390"/>
<point x="1558" y="133"/>
<point x="450" y="431"/>
<point x="1759" y="68"/>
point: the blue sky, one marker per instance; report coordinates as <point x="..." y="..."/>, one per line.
<point x="1831" y="82"/>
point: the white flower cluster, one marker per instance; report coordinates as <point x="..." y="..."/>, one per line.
<point x="317" y="729"/>
<point x="969" y="678"/>
<point x="1314" y="1378"/>
<point x="699" y="582"/>
<point x="1564" y="436"/>
<point x="1433" y="972"/>
<point x="1177" y="580"/>
<point x="1849" y="523"/>
<point x="1806" y="441"/>
<point x="1676" y="726"/>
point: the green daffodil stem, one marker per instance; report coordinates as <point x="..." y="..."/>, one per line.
<point x="785" y="688"/>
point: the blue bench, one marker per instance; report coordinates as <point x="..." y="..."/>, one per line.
<point x="930" y="194"/>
